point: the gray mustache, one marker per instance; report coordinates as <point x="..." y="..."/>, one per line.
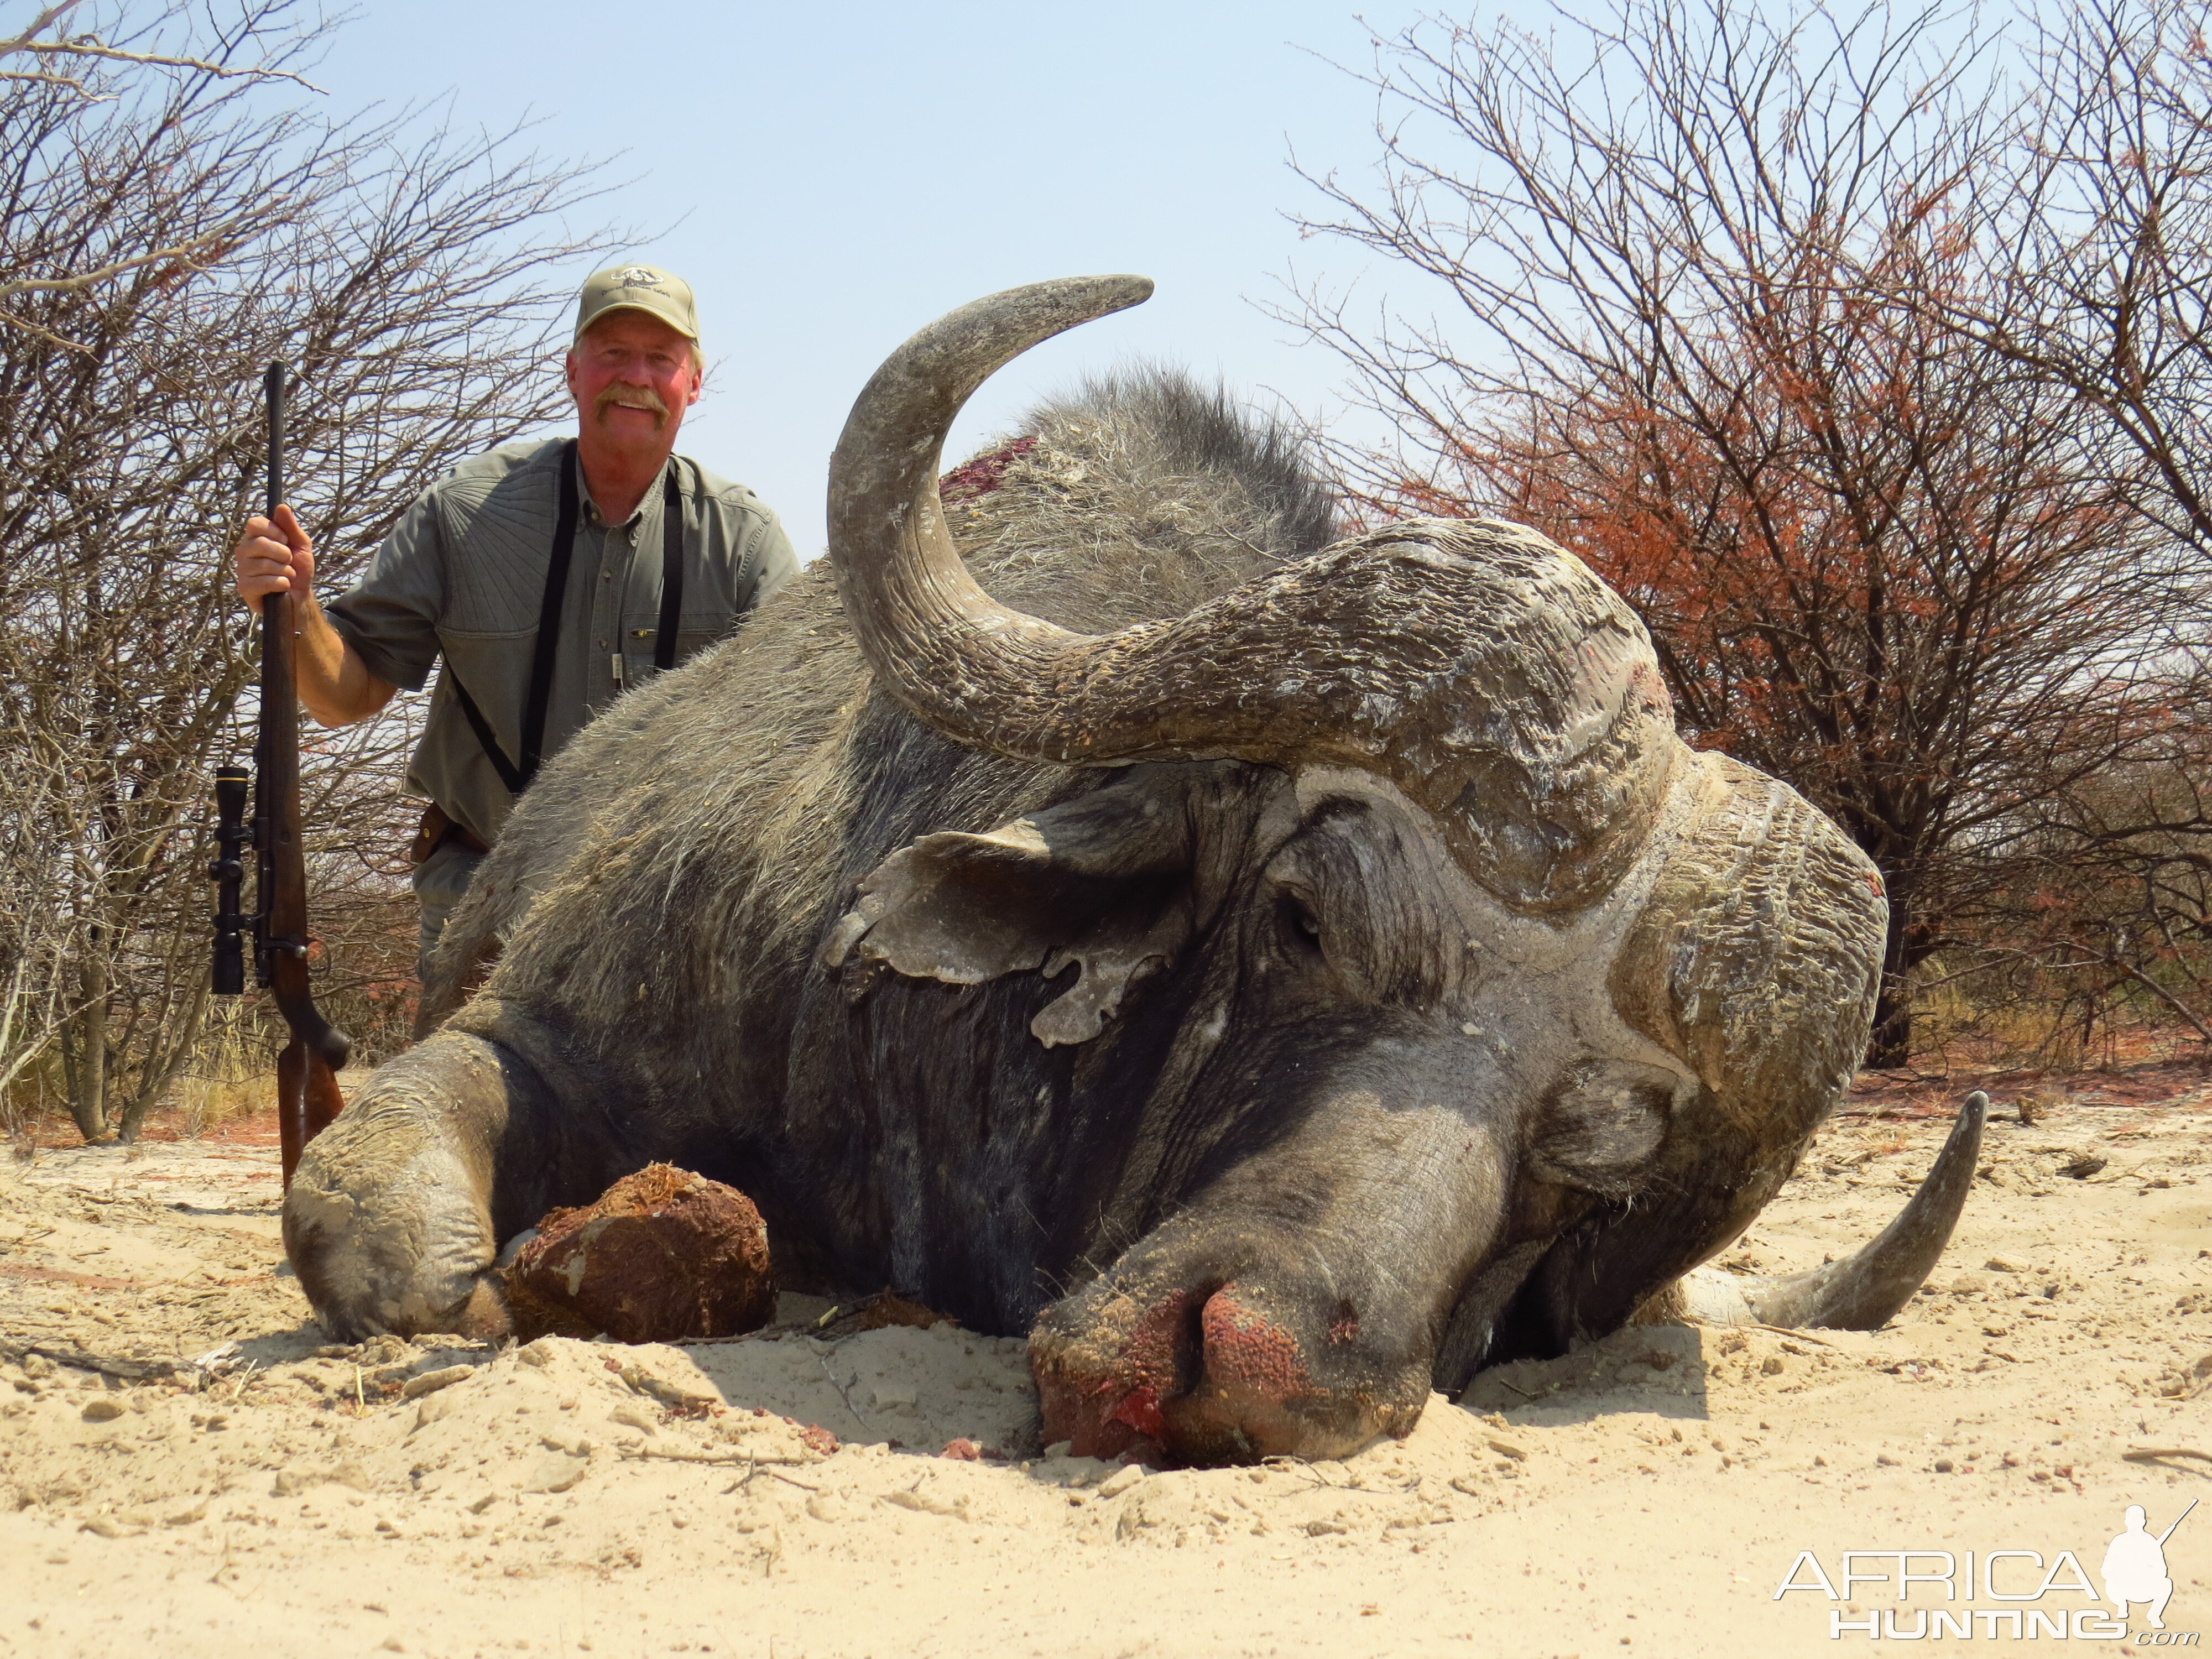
<point x="631" y="397"/>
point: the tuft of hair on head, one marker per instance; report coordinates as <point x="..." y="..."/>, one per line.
<point x="1206" y="428"/>
<point x="1137" y="495"/>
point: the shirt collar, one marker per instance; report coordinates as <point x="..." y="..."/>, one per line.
<point x="651" y="497"/>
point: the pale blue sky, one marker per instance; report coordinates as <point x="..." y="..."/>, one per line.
<point x="844" y="174"/>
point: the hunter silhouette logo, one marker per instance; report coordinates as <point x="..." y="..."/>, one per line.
<point x="2135" y="1566"/>
<point x="2133" y="1572"/>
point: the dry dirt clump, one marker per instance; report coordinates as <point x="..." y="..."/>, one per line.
<point x="189" y="1467"/>
<point x="662" y="1255"/>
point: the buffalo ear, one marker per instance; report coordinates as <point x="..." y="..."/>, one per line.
<point x="1099" y="883"/>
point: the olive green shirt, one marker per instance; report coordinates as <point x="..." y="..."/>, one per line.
<point x="463" y="575"/>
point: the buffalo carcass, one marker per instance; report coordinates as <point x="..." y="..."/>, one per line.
<point x="1281" y="982"/>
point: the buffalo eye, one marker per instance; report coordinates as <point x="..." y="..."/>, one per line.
<point x="1300" y="922"/>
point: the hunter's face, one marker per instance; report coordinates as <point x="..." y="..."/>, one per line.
<point x="633" y="376"/>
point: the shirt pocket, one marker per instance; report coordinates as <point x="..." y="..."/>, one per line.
<point x="641" y="636"/>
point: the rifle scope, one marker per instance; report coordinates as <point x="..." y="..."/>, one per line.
<point x="233" y="835"/>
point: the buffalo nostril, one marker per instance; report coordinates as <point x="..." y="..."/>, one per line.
<point x="1116" y="1381"/>
<point x="1190" y="1340"/>
<point x="1163" y="1362"/>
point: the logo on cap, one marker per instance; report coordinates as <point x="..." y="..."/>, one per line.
<point x="638" y="276"/>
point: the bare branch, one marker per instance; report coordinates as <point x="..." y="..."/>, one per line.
<point x="45" y="21"/>
<point x="37" y="78"/>
<point x="91" y="48"/>
<point x="182" y="254"/>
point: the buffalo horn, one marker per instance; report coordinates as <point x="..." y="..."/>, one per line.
<point x="1491" y="678"/>
<point x="1864" y="1291"/>
<point x="958" y="659"/>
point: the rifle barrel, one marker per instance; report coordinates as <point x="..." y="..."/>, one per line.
<point x="307" y="1096"/>
<point x="272" y="388"/>
<point x="2177" y="1520"/>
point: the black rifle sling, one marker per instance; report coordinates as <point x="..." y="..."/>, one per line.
<point x="549" y="623"/>
<point x="517" y="778"/>
<point x="477" y="723"/>
<point x="671" y="572"/>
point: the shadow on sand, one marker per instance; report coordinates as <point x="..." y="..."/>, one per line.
<point x="1660" y="1369"/>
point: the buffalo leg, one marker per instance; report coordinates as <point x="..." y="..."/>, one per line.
<point x="396" y="1213"/>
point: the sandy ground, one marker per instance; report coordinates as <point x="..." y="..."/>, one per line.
<point x="225" y="1482"/>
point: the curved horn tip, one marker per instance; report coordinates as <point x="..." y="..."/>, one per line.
<point x="910" y="402"/>
<point x="1036" y="312"/>
<point x="1019" y="319"/>
<point x="1111" y="293"/>
<point x="1864" y="1291"/>
<point x="919" y="617"/>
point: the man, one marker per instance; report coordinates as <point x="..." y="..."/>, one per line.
<point x="548" y="575"/>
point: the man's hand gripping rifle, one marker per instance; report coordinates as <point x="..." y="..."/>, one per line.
<point x="307" y="1096"/>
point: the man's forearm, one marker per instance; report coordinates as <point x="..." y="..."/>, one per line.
<point x="336" y="686"/>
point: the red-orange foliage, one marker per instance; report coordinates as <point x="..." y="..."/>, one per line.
<point x="1878" y="558"/>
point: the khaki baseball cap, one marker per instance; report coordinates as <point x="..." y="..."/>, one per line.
<point x="638" y="288"/>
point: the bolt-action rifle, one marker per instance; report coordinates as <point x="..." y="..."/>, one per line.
<point x="307" y="1096"/>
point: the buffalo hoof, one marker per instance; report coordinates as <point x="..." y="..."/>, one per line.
<point x="1220" y="1368"/>
<point x="384" y="1221"/>
<point x="365" y="1275"/>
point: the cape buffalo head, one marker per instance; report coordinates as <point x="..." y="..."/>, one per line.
<point x="1481" y="1008"/>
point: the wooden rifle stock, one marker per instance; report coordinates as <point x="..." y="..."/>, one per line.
<point x="307" y="1096"/>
